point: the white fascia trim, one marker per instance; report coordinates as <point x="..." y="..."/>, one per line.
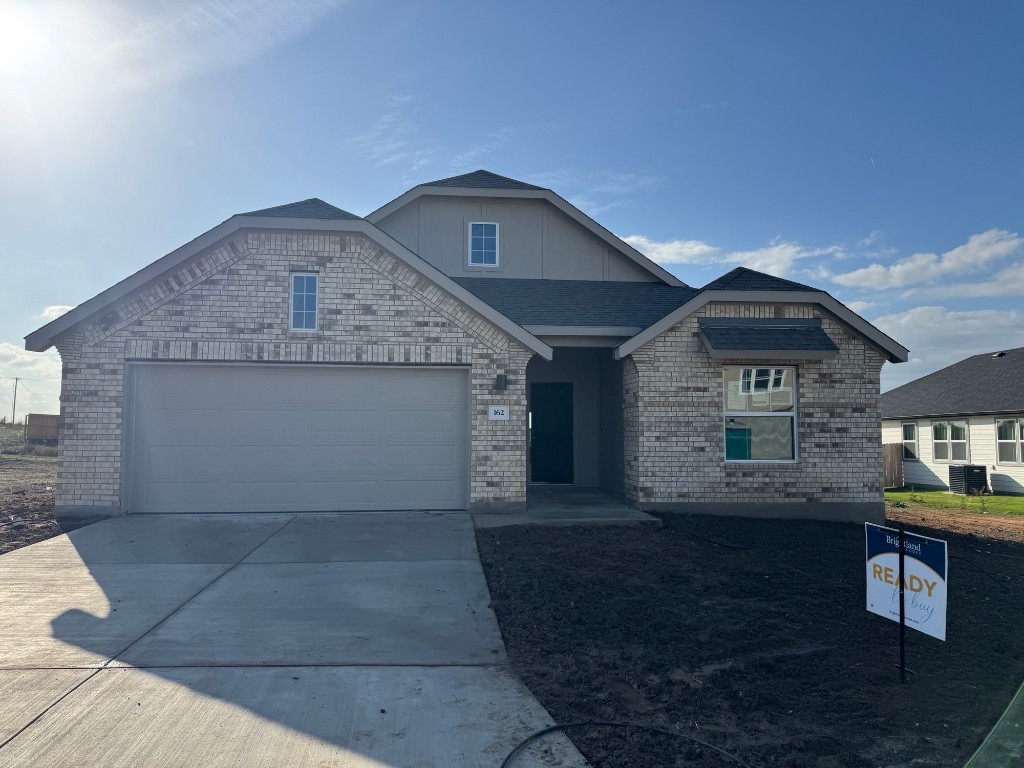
<point x="43" y="338"/>
<point x="894" y="352"/>
<point x="564" y="206"/>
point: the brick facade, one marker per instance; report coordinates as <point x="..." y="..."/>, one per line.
<point x="673" y="399"/>
<point x="231" y="303"/>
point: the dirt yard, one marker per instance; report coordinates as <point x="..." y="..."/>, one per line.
<point x="752" y="636"/>
<point x="26" y="494"/>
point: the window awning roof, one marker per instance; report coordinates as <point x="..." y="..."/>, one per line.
<point x="788" y="339"/>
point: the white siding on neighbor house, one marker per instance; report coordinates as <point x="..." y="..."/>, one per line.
<point x="927" y="471"/>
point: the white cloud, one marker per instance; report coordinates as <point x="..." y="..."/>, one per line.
<point x="922" y="268"/>
<point x="40" y="390"/>
<point x="674" y="251"/>
<point x="394" y="137"/>
<point x="937" y="337"/>
<point x="1006" y="282"/>
<point x="53" y="312"/>
<point x="860" y="307"/>
<point x="779" y="258"/>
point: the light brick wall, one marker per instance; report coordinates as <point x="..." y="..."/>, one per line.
<point x="232" y="303"/>
<point x="673" y="396"/>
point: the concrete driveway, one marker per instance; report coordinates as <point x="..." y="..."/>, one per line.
<point x="333" y="641"/>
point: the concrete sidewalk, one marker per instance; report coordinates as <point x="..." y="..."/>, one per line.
<point x="347" y="641"/>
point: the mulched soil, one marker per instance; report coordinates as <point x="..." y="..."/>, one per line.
<point x="26" y="501"/>
<point x="759" y="644"/>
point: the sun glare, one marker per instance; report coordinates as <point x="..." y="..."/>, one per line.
<point x="24" y="40"/>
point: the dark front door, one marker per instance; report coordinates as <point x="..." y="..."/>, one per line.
<point x="551" y="433"/>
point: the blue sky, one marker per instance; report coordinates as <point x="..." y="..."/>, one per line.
<point x="872" y="149"/>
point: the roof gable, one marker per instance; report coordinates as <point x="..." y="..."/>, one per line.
<point x="484" y="183"/>
<point x="983" y="384"/>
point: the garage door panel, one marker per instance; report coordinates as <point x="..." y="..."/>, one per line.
<point x="185" y="421"/>
<point x="209" y="438"/>
<point x="365" y="494"/>
<point x="247" y="461"/>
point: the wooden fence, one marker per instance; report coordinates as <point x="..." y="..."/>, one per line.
<point x="892" y="465"/>
<point x="41" y="428"/>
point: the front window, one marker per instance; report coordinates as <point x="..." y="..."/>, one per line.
<point x="304" y="298"/>
<point x="949" y="440"/>
<point x="910" y="442"/>
<point x="1008" y="441"/>
<point x="483" y="244"/>
<point x="760" y="414"/>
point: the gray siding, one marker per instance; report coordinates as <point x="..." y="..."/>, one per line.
<point x="535" y="240"/>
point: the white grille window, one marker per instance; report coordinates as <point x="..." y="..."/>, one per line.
<point x="949" y="440"/>
<point x="1008" y="441"/>
<point x="910" y="441"/>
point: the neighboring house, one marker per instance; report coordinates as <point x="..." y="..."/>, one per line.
<point x="969" y="413"/>
<point x="471" y="337"/>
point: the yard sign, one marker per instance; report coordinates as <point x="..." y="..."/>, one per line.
<point x="925" y="564"/>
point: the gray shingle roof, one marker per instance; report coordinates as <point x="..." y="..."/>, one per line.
<point x="481" y="180"/>
<point x="313" y="208"/>
<point x="577" y="302"/>
<point x="978" y="385"/>
<point x="743" y="279"/>
<point x="749" y="334"/>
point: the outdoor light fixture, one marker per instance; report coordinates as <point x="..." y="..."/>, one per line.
<point x="501" y="382"/>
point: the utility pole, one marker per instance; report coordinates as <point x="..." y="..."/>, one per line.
<point x="14" y="404"/>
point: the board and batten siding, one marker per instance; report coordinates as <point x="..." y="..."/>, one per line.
<point x="927" y="472"/>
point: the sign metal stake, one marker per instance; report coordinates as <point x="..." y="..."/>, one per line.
<point x="903" y="625"/>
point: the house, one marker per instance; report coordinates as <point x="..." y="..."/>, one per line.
<point x="969" y="413"/>
<point x="470" y="338"/>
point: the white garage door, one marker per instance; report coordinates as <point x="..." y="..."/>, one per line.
<point x="256" y="438"/>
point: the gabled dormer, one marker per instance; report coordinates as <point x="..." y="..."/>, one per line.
<point x="484" y="225"/>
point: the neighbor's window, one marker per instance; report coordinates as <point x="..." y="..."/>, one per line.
<point x="483" y="244"/>
<point x="910" y="441"/>
<point x="949" y="440"/>
<point x="1008" y="441"/>
<point x="304" y="290"/>
<point x="760" y="414"/>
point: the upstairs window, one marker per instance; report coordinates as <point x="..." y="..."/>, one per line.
<point x="304" y="298"/>
<point x="949" y="440"/>
<point x="760" y="414"/>
<point x="910" y="441"/>
<point x="483" y="244"/>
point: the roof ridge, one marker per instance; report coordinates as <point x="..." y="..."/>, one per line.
<point x="311" y="207"/>
<point x="481" y="178"/>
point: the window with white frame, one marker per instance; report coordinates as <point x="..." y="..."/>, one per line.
<point x="483" y="244"/>
<point x="760" y="414"/>
<point x="1009" y="441"/>
<point x="303" y="301"/>
<point x="949" y="440"/>
<point x="910" y="441"/>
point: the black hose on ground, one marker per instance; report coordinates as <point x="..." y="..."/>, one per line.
<point x="604" y="724"/>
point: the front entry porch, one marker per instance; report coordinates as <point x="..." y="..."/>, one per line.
<point x="567" y="505"/>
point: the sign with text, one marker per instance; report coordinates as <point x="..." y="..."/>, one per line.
<point x="498" y="413"/>
<point x="925" y="566"/>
